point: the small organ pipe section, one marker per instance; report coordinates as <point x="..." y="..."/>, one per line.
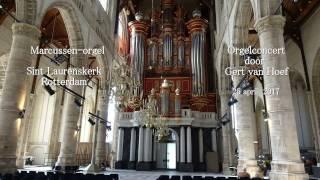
<point x="138" y="31"/>
<point x="153" y="43"/>
<point x="167" y="50"/>
<point x="153" y="49"/>
<point x="180" y="13"/>
<point x="168" y="14"/>
<point x="165" y="98"/>
<point x="181" y="53"/>
<point x="197" y="29"/>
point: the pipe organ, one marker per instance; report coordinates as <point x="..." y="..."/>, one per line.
<point x="168" y="47"/>
<point x="168" y="56"/>
<point x="138" y="31"/>
<point x="197" y="28"/>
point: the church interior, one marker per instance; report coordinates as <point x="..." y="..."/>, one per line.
<point x="159" y="89"/>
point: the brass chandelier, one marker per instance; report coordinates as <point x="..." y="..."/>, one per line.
<point x="152" y="118"/>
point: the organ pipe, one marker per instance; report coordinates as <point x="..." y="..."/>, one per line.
<point x="167" y="50"/>
<point x="180" y="54"/>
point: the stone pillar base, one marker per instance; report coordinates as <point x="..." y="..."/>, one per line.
<point x="287" y="176"/>
<point x="50" y="161"/>
<point x="226" y="169"/>
<point x="144" y="166"/>
<point x="20" y="163"/>
<point x="132" y="165"/>
<point x="251" y="167"/>
<point x="8" y="170"/>
<point x="287" y="171"/>
<point x="186" y="167"/>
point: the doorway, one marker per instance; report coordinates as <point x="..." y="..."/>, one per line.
<point x="166" y="153"/>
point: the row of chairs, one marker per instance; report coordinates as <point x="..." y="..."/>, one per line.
<point x="166" y="177"/>
<point x="32" y="175"/>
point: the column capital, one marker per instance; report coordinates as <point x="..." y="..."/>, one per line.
<point x="268" y="23"/>
<point x="26" y="30"/>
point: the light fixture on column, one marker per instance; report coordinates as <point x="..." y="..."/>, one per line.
<point x="91" y="121"/>
<point x="108" y="126"/>
<point x="78" y="102"/>
<point x="232" y="101"/>
<point x="49" y="89"/>
<point x="61" y="58"/>
<point x="21" y="113"/>
<point x="245" y="85"/>
<point x="225" y="121"/>
<point x="94" y="119"/>
<point x="78" y="98"/>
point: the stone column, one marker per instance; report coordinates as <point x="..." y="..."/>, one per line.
<point x="286" y="163"/>
<point x="53" y="144"/>
<point x="200" y="145"/>
<point x="101" y="153"/>
<point x="120" y="144"/>
<point x="70" y="118"/>
<point x="15" y="91"/>
<point x="315" y="123"/>
<point x="24" y="133"/>
<point x="132" y="157"/>
<point x="214" y="140"/>
<point x="154" y="149"/>
<point x="226" y="137"/>
<point x="133" y="145"/>
<point x="182" y="145"/>
<point x="147" y="145"/>
<point x="115" y="137"/>
<point x="245" y="130"/>
<point x="189" y="145"/>
<point x="141" y="144"/>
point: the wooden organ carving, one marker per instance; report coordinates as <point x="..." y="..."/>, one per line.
<point x="174" y="50"/>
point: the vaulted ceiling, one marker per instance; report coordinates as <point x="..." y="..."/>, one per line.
<point x="9" y="6"/>
<point x="296" y="13"/>
<point x="54" y="30"/>
<point x="299" y="11"/>
<point x="146" y="6"/>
